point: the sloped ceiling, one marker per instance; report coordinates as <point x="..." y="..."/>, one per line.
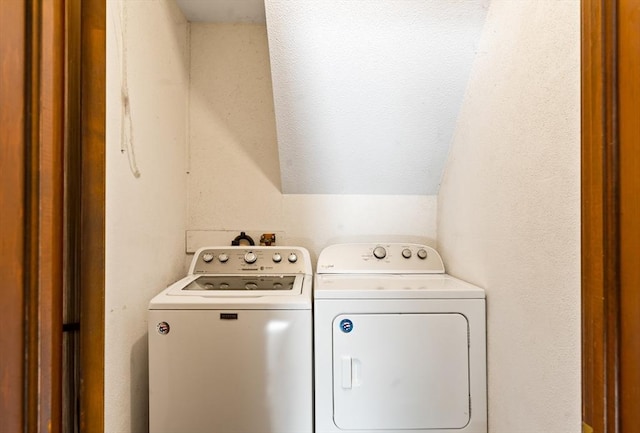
<point x="225" y="11"/>
<point x="366" y="92"/>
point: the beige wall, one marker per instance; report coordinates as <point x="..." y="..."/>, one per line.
<point x="234" y="179"/>
<point x="145" y="215"/>
<point x="509" y="210"/>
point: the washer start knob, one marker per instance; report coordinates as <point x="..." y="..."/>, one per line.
<point x="250" y="257"/>
<point x="207" y="257"/>
<point x="379" y="252"/>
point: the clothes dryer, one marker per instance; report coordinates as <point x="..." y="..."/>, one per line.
<point x="230" y="345"/>
<point x="399" y="344"/>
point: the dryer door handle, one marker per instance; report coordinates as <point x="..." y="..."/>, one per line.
<point x="351" y="372"/>
<point x="346" y="372"/>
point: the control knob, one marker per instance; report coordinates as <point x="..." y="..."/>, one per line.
<point x="223" y="258"/>
<point x="277" y="258"/>
<point x="379" y="252"/>
<point x="292" y="258"/>
<point x="250" y="257"/>
<point x="422" y="253"/>
<point x="406" y="253"/>
<point x="207" y="257"/>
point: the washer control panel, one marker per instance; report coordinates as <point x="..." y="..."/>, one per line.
<point x="383" y="258"/>
<point x="251" y="259"/>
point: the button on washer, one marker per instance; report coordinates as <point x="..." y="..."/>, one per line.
<point x="379" y="252"/>
<point x="207" y="257"/>
<point x="250" y="257"/>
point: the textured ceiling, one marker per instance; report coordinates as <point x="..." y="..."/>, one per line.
<point x="223" y="11"/>
<point x="366" y="92"/>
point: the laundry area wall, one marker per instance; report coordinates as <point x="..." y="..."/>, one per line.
<point x="235" y="173"/>
<point x="146" y="182"/>
<point x="509" y="210"/>
<point x="192" y="149"/>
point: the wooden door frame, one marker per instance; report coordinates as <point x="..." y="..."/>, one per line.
<point x="92" y="216"/>
<point x="600" y="297"/>
<point x="629" y="211"/>
<point x="33" y="66"/>
<point x="12" y="187"/>
<point x="610" y="215"/>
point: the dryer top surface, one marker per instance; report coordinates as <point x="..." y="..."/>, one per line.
<point x="394" y="286"/>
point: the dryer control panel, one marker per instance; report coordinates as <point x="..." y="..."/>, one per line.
<point x="251" y="260"/>
<point x="382" y="258"/>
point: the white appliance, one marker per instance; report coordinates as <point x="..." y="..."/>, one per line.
<point x="230" y="345"/>
<point x="400" y="346"/>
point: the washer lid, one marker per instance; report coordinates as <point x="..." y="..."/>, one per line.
<point x="396" y="286"/>
<point x="240" y="285"/>
<point x="215" y="292"/>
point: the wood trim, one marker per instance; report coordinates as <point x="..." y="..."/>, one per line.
<point x="73" y="187"/>
<point x="92" y="242"/>
<point x="32" y="149"/>
<point x="51" y="209"/>
<point x="12" y="193"/>
<point x="44" y="214"/>
<point x="600" y="217"/>
<point x="628" y="66"/>
<point x="32" y="107"/>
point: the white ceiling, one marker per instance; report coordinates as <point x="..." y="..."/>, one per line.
<point x="366" y="92"/>
<point x="223" y="11"/>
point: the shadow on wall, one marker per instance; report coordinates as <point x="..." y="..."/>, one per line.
<point x="232" y="114"/>
<point x="139" y="364"/>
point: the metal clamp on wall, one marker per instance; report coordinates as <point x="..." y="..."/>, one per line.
<point x="242" y="237"/>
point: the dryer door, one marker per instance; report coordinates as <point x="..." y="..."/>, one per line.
<point x="401" y="371"/>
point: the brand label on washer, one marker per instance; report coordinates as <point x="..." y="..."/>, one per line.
<point x="163" y="328"/>
<point x="346" y="325"/>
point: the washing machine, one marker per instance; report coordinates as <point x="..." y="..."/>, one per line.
<point x="400" y="346"/>
<point x="230" y="345"/>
